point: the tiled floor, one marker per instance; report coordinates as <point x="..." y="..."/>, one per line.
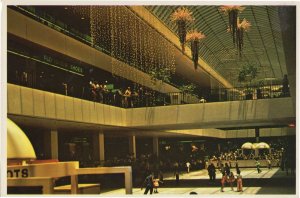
<point x="246" y="173"/>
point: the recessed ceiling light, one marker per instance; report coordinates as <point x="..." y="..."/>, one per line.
<point x="66" y="8"/>
<point x="82" y="18"/>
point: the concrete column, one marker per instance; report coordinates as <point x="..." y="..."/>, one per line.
<point x="54" y="144"/>
<point x="256" y="153"/>
<point x="257" y="135"/>
<point x="132" y="145"/>
<point x="96" y="154"/>
<point x="155" y="146"/>
<point x="101" y="146"/>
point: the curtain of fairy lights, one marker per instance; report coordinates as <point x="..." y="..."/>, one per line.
<point x="118" y="31"/>
<point x="138" y="45"/>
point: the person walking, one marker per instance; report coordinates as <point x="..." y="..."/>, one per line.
<point x="223" y="181"/>
<point x="149" y="184"/>
<point x="257" y="163"/>
<point x="231" y="180"/>
<point x="239" y="181"/>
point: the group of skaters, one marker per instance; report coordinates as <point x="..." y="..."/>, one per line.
<point x="151" y="183"/>
<point x="228" y="176"/>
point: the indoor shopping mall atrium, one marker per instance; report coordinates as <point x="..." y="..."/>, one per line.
<point x="116" y="100"/>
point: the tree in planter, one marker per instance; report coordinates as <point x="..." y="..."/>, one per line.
<point x="162" y="74"/>
<point x="182" y="16"/>
<point x="188" y="88"/>
<point x="194" y="37"/>
<point x="158" y="77"/>
<point x="246" y="75"/>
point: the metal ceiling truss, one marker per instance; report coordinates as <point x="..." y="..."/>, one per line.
<point x="262" y="43"/>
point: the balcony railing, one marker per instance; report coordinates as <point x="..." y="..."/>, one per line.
<point x="115" y="97"/>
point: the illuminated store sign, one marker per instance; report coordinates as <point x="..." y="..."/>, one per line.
<point x="65" y="65"/>
<point x="48" y="60"/>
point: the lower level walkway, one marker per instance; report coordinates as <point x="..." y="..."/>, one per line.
<point x="267" y="182"/>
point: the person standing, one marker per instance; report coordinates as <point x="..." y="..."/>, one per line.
<point x="212" y="172"/>
<point x="149" y="184"/>
<point x="127" y="96"/>
<point x="236" y="166"/>
<point x="227" y="169"/>
<point x="156" y="184"/>
<point x="188" y="166"/>
<point x="269" y="163"/>
<point x="222" y="168"/>
<point x="285" y="86"/>
<point x="176" y="172"/>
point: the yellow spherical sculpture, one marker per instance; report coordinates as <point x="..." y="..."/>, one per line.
<point x="18" y="144"/>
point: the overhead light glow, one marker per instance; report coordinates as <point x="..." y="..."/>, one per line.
<point x="292" y="125"/>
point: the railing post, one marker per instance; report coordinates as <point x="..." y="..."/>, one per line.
<point x="74" y="184"/>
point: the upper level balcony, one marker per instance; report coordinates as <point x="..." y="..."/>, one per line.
<point x="32" y="103"/>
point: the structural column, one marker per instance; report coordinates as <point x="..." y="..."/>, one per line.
<point x="256" y="134"/>
<point x="101" y="146"/>
<point x="155" y="146"/>
<point x="256" y="140"/>
<point x="54" y="144"/>
<point x="132" y="146"/>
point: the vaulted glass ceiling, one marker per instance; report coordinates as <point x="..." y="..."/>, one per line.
<point x="262" y="43"/>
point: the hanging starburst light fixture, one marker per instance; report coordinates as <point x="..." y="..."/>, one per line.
<point x="194" y="38"/>
<point x="232" y="11"/>
<point x="182" y="16"/>
<point x="243" y="26"/>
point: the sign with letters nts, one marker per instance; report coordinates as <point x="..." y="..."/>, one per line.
<point x="17" y="173"/>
